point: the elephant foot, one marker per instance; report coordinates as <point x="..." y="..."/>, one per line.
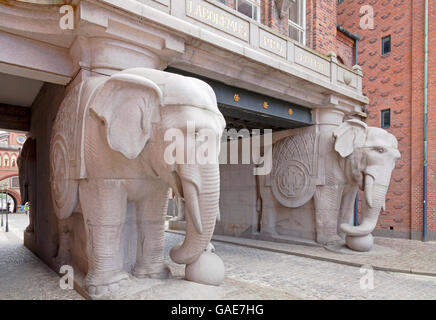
<point x="271" y="232"/>
<point x="102" y="286"/>
<point x="360" y="243"/>
<point x="208" y="269"/>
<point x="328" y="239"/>
<point x="162" y="271"/>
<point x="62" y="259"/>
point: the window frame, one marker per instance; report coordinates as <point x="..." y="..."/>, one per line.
<point x="255" y="4"/>
<point x="302" y="28"/>
<point x="383" y="53"/>
<point x="382" y="122"/>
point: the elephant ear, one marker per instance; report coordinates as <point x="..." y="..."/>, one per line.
<point x="128" y="104"/>
<point x="349" y="134"/>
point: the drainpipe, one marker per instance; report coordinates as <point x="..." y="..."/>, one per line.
<point x="424" y="229"/>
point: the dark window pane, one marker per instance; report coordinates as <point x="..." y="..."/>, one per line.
<point x="386" y="118"/>
<point x="246" y="8"/>
<point x="386" y="45"/>
<point x="294" y="12"/>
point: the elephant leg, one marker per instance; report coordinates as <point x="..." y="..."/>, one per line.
<point x="347" y="207"/>
<point x="104" y="205"/>
<point x="63" y="256"/>
<point x="268" y="211"/>
<point x="327" y="205"/>
<point x="151" y="211"/>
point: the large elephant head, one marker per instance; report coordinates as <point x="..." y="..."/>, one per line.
<point x="139" y="107"/>
<point x="372" y="153"/>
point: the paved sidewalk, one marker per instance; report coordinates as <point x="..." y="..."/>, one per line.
<point x="406" y="256"/>
<point x="22" y="275"/>
<point x="251" y="273"/>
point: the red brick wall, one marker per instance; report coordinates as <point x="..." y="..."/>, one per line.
<point x="396" y="81"/>
<point x="345" y="49"/>
<point x="432" y="117"/>
<point x="418" y="116"/>
<point x="321" y="19"/>
<point x="321" y="25"/>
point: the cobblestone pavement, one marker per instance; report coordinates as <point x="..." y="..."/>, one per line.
<point x="400" y="255"/>
<point x="22" y="275"/>
<point x="250" y="274"/>
<point x="313" y="279"/>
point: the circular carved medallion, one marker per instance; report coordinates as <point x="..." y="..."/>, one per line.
<point x="292" y="185"/>
<point x="59" y="172"/>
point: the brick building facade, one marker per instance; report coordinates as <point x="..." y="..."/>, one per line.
<point x="394" y="81"/>
<point x="319" y="23"/>
<point x="10" y="146"/>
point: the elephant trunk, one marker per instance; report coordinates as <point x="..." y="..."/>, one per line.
<point x="202" y="209"/>
<point x="374" y="201"/>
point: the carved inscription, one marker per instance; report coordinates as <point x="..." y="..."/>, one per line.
<point x="272" y="43"/>
<point x="218" y="18"/>
<point x="312" y="61"/>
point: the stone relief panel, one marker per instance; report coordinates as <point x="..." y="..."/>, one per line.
<point x="295" y="168"/>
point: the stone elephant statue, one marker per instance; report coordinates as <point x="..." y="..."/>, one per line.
<point x="330" y="170"/>
<point x="115" y="153"/>
<point x="27" y="173"/>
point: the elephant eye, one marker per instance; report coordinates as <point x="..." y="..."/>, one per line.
<point x="380" y="150"/>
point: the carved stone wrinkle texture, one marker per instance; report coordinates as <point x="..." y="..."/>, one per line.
<point x="357" y="157"/>
<point x="114" y="154"/>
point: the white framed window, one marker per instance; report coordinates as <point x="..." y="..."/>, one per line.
<point x="250" y="8"/>
<point x="6" y="161"/>
<point x="15" y="182"/>
<point x="297" y="20"/>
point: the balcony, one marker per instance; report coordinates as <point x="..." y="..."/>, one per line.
<point x="204" y="37"/>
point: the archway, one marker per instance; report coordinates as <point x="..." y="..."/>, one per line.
<point x="14" y="197"/>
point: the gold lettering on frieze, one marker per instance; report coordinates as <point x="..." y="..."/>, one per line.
<point x="312" y="62"/>
<point x="272" y="43"/>
<point x="218" y="18"/>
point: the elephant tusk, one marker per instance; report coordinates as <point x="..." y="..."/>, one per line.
<point x="369" y="182"/>
<point x="191" y="204"/>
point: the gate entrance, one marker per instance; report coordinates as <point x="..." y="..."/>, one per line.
<point x="244" y="109"/>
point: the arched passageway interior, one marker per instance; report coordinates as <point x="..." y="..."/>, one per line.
<point x="8" y="202"/>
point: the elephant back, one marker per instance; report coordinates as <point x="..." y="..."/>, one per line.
<point x="296" y="167"/>
<point x="66" y="147"/>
